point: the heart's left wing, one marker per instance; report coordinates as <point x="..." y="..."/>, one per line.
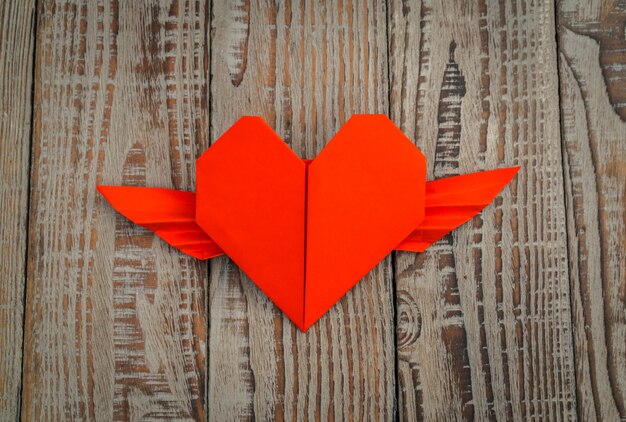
<point x="169" y="213"/>
<point x="453" y="201"/>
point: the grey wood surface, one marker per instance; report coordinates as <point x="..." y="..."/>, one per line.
<point x="492" y="297"/>
<point x="592" y="62"/>
<point x="519" y="314"/>
<point x="16" y="71"/>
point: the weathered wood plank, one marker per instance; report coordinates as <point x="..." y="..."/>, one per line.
<point x="484" y="328"/>
<point x="306" y="68"/>
<point x="115" y="319"/>
<point x="16" y="68"/>
<point x="592" y="58"/>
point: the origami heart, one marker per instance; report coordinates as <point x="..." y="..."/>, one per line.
<point x="307" y="231"/>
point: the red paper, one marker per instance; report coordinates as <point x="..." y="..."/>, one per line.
<point x="365" y="195"/>
<point x="171" y="214"/>
<point x="251" y="201"/>
<point x="307" y="231"/>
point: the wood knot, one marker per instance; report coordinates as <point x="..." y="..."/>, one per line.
<point x="409" y="320"/>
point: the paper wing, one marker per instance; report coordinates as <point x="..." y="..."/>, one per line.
<point x="171" y="214"/>
<point x="453" y="201"/>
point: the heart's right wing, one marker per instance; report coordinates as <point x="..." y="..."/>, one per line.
<point x="171" y="214"/>
<point x="453" y="201"/>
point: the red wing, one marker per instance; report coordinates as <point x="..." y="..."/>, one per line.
<point x="171" y="214"/>
<point x="453" y="201"/>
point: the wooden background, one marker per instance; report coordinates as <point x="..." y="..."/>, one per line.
<point x="520" y="314"/>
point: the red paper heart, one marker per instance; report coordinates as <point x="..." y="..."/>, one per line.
<point x="305" y="233"/>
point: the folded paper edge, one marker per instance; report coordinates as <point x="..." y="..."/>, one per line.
<point x="173" y="220"/>
<point x="446" y="209"/>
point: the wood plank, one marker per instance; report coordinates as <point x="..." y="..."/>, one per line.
<point x="115" y="319"/>
<point x="592" y="58"/>
<point x="16" y="68"/>
<point x="484" y="328"/>
<point x="306" y="69"/>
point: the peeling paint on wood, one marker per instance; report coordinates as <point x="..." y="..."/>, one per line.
<point x="494" y="294"/>
<point x="16" y="70"/>
<point x="519" y="314"/>
<point x="592" y="54"/>
<point x="115" y="320"/>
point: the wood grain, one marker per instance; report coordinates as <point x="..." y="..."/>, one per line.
<point x="115" y="319"/>
<point x="519" y="314"/>
<point x="484" y="328"/>
<point x="306" y="68"/>
<point x="592" y="57"/>
<point x="16" y="68"/>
